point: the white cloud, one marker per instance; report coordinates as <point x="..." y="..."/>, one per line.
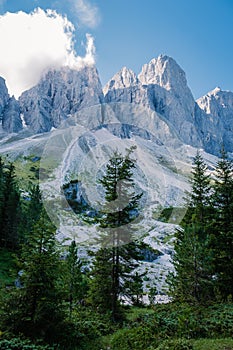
<point x="87" y="13"/>
<point x="33" y="43"/>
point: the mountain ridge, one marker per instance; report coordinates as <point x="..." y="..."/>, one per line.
<point x="161" y="86"/>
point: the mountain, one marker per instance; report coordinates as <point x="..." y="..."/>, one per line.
<point x="59" y="94"/>
<point x="160" y="86"/>
<point x="66" y="128"/>
<point x="4" y="96"/>
<point x="215" y="117"/>
<point x="12" y="121"/>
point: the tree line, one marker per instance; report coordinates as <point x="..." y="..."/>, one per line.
<point x="55" y="289"/>
<point x="53" y="283"/>
<point x="203" y="257"/>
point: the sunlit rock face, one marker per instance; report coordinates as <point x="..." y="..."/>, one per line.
<point x="161" y="86"/>
<point x="59" y="94"/>
<point x="215" y="116"/>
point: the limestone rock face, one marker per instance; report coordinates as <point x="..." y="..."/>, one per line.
<point x="215" y="118"/>
<point x="9" y="110"/>
<point x="11" y="121"/>
<point x="4" y="96"/>
<point x="161" y="86"/>
<point x="59" y="94"/>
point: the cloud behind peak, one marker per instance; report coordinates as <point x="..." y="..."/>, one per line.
<point x="32" y="43"/>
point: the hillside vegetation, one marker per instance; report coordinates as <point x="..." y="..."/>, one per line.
<point x="60" y="301"/>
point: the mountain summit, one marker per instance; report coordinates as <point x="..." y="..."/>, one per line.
<point x="160" y="86"/>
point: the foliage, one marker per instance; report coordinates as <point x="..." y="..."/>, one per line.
<point x="74" y="280"/>
<point x="19" y="344"/>
<point x="34" y="309"/>
<point x="213" y="344"/>
<point x="137" y="338"/>
<point x="222" y="228"/>
<point x="199" y="198"/>
<point x="34" y="207"/>
<point x="115" y="260"/>
<point x="175" y="344"/>
<point x="8" y="269"/>
<point x="172" y="215"/>
<point x="50" y="304"/>
<point x="9" y="207"/>
<point x="192" y="280"/>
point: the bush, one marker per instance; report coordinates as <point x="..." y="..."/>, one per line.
<point x="175" y="344"/>
<point x="213" y="344"/>
<point x="139" y="338"/>
<point x="191" y="322"/>
<point x="19" y="344"/>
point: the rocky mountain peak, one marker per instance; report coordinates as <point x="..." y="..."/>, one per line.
<point x="59" y="94"/>
<point x="11" y="121"/>
<point x="215" y="91"/>
<point x="217" y="102"/>
<point x="125" y="78"/>
<point x="163" y="71"/>
<point x="161" y="87"/>
<point x="4" y="96"/>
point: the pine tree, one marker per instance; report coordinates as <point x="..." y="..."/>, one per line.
<point x="222" y="228"/>
<point x="100" y="290"/>
<point x="199" y="199"/>
<point x="1" y="200"/>
<point x="118" y="250"/>
<point x="31" y="212"/>
<point x="37" y="304"/>
<point x="75" y="283"/>
<point x="192" y="280"/>
<point x="10" y="212"/>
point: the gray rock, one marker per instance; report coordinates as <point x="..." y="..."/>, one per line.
<point x="11" y="120"/>
<point x="215" y="120"/>
<point x="161" y="86"/>
<point x="59" y="94"/>
<point x="4" y="96"/>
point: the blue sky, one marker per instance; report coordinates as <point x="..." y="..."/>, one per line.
<point x="198" y="34"/>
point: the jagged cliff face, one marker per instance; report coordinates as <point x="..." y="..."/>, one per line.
<point x="9" y="110"/>
<point x="58" y="95"/>
<point x="4" y="96"/>
<point x="12" y="121"/>
<point x="216" y="120"/>
<point x="160" y="86"/>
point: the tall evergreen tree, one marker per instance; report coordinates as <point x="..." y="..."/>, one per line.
<point x="100" y="290"/>
<point x="192" y="280"/>
<point x="75" y="283"/>
<point x="31" y="211"/>
<point x="1" y="199"/>
<point x="10" y="211"/>
<point x="199" y="199"/>
<point x="37" y="304"/>
<point x="222" y="228"/>
<point x="118" y="250"/>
